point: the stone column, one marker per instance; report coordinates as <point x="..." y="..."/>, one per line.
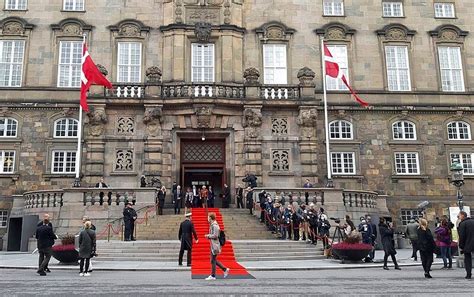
<point x="252" y="123"/>
<point x="94" y="142"/>
<point x="306" y="120"/>
<point x="153" y="147"/>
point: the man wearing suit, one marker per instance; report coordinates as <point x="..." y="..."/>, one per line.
<point x="177" y="197"/>
<point x="185" y="235"/>
<point x="101" y="184"/>
<point x="466" y="241"/>
<point x="226" y="197"/>
<point x="129" y="217"/>
<point x="45" y="240"/>
<point x="239" y="192"/>
<point x="46" y="218"/>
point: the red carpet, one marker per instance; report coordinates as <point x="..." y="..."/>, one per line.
<point x="201" y="259"/>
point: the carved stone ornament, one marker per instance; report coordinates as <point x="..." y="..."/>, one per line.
<point x="227" y="12"/>
<point x="335" y="31"/>
<point x="306" y="76"/>
<point x="449" y="33"/>
<point x="252" y="117"/>
<point x="203" y="114"/>
<point x="203" y="31"/>
<point x="13" y="28"/>
<point x="152" y="119"/>
<point x="251" y="76"/>
<point x="71" y="27"/>
<point x="336" y="34"/>
<point x="307" y="120"/>
<point x="459" y="115"/>
<point x="129" y="30"/>
<point x="198" y="15"/>
<point x="102" y="69"/>
<point x="153" y="74"/>
<point x="178" y="11"/>
<point x="204" y="2"/>
<point x="68" y="112"/>
<point x="396" y="32"/>
<point x="5" y="111"/>
<point x="97" y="118"/>
<point x="72" y="30"/>
<point x="274" y="31"/>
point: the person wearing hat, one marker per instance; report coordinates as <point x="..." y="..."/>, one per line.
<point x="129" y="217"/>
<point x="185" y="235"/>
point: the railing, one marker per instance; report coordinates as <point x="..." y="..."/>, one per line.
<point x="279" y="92"/>
<point x="111" y="196"/>
<point x="290" y="195"/>
<point x="121" y="90"/>
<point x="47" y="198"/>
<point x="359" y="198"/>
<point x="203" y="91"/>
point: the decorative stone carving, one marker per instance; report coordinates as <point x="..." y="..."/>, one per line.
<point x="204" y="2"/>
<point x="307" y="120"/>
<point x="130" y="28"/>
<point x="102" y="69"/>
<point x="153" y="74"/>
<point x="198" y="15"/>
<point x="251" y="76"/>
<point x="252" y="122"/>
<point x="71" y="27"/>
<point x="280" y="160"/>
<point x="274" y="31"/>
<point x="124" y="160"/>
<point x="5" y="111"/>
<point x="203" y="114"/>
<point x="203" y="31"/>
<point x="72" y="30"/>
<point x="125" y="125"/>
<point x="227" y="12"/>
<point x="97" y="118"/>
<point x="336" y="34"/>
<point x="279" y="126"/>
<point x="152" y="119"/>
<point x="459" y="115"/>
<point x="178" y="12"/>
<point x="306" y="76"/>
<point x="68" y="112"/>
<point x="341" y="114"/>
<point x="449" y="33"/>
<point x="335" y="31"/>
<point x="396" y="32"/>
<point x="14" y="26"/>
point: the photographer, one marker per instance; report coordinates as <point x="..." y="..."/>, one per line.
<point x="250" y="179"/>
<point x="324" y="227"/>
<point x="262" y="199"/>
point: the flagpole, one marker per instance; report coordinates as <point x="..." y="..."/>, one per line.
<point x="329" y="183"/>
<point x="77" y="180"/>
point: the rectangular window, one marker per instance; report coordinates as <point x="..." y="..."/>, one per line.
<point x="466" y="160"/>
<point x="63" y="162"/>
<point x="16" y="4"/>
<point x="333" y="7"/>
<point x="398" y="69"/>
<point x="407" y="163"/>
<point x="69" y="68"/>
<point x="73" y="5"/>
<point x="339" y="53"/>
<point x="450" y="64"/>
<point x="407" y="214"/>
<point x="129" y="62"/>
<point x="11" y="62"/>
<point x="274" y="64"/>
<point x="392" y="9"/>
<point x="444" y="10"/>
<point x="7" y="161"/>
<point x="3" y="218"/>
<point x="343" y="163"/>
<point x="202" y="62"/>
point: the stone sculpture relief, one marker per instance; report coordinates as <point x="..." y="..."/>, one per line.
<point x="307" y="120"/>
<point x="252" y="122"/>
<point x="97" y="118"/>
<point x="152" y="119"/>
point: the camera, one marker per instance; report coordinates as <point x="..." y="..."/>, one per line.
<point x="336" y="220"/>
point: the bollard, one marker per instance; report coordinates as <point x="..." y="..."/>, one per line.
<point x="108" y="232"/>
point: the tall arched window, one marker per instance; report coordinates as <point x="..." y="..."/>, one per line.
<point x="65" y="128"/>
<point x="340" y="130"/>
<point x="404" y="130"/>
<point x="459" y="131"/>
<point x="8" y="127"/>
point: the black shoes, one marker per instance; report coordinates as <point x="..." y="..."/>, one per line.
<point x="42" y="273"/>
<point x="468" y="277"/>
<point x="397" y="267"/>
<point x="180" y="264"/>
<point x="385" y="268"/>
<point x="47" y="270"/>
<point x="427" y="275"/>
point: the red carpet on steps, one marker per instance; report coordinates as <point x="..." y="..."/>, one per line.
<point x="201" y="259"/>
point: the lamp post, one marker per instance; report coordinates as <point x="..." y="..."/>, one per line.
<point x="457" y="179"/>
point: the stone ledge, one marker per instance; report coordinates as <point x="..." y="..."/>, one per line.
<point x="253" y="162"/>
<point x="124" y="173"/>
<point x="281" y="173"/>
<point x="423" y="178"/>
<point x="153" y="150"/>
<point x="406" y="142"/>
<point x="13" y="176"/>
<point x="349" y="176"/>
<point x="48" y="176"/>
<point x="152" y="161"/>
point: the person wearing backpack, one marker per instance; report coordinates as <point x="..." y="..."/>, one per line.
<point x="216" y="247"/>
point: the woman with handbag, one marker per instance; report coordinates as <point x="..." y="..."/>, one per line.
<point x="87" y="248"/>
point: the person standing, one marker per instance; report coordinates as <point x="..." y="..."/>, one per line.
<point x="365" y="229"/>
<point x="226" y="197"/>
<point x="177" y="197"/>
<point x="466" y="241"/>
<point x="161" y="200"/>
<point x="444" y="237"/>
<point x="412" y="233"/>
<point x="185" y="235"/>
<point x="101" y="184"/>
<point x="46" y="217"/>
<point x="45" y="240"/>
<point x="87" y="248"/>
<point x="195" y="196"/>
<point x="239" y="193"/>
<point x="373" y="227"/>
<point x="213" y="236"/>
<point x="188" y="200"/>
<point x="93" y="228"/>
<point x="211" y="197"/>
<point x="386" y="235"/>
<point x="129" y="217"/>
<point x="307" y="184"/>
<point x="249" y="200"/>
<point x="426" y="245"/>
<point x="203" y="195"/>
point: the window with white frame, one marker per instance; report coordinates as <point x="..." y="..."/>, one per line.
<point x="202" y="62"/>
<point x="339" y="53"/>
<point x="63" y="162"/>
<point x="16" y="4"/>
<point x="452" y="78"/>
<point x="404" y="130"/>
<point x="398" y="69"/>
<point x="333" y="7"/>
<point x="8" y="127"/>
<point x="73" y="5"/>
<point x="407" y="214"/>
<point x="392" y="9"/>
<point x="407" y="163"/>
<point x="3" y="218"/>
<point x="65" y="128"/>
<point x="343" y="163"/>
<point x="11" y="62"/>
<point x="466" y="160"/>
<point x="70" y="59"/>
<point x="444" y="10"/>
<point x="459" y="131"/>
<point x="340" y="130"/>
<point x="129" y="62"/>
<point x="274" y="64"/>
<point x="7" y="161"/>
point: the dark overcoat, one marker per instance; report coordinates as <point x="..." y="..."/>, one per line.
<point x="86" y="243"/>
<point x="466" y="235"/>
<point x="386" y="236"/>
<point x="186" y="233"/>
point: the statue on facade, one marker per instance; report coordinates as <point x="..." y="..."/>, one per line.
<point x="203" y="114"/>
<point x="306" y="76"/>
<point x="152" y="119"/>
<point x="251" y="76"/>
<point x="203" y="31"/>
<point x="307" y="120"/>
<point x="252" y="122"/>
<point x="153" y="74"/>
<point x="97" y="118"/>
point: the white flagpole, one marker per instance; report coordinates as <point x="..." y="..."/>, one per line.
<point x="329" y="183"/>
<point x="77" y="181"/>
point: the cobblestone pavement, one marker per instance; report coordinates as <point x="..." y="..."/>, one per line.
<point x="352" y="282"/>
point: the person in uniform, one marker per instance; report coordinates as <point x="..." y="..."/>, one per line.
<point x="185" y="235"/>
<point x="129" y="217"/>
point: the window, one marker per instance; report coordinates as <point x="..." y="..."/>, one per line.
<point x="3" y="218"/>
<point x="280" y="160"/>
<point x="466" y="160"/>
<point x="450" y="64"/>
<point x="11" y="62"/>
<point x="129" y="62"/>
<point x="340" y="130"/>
<point x="70" y="59"/>
<point x="404" y="130"/>
<point x="407" y="163"/>
<point x="407" y="214"/>
<point x="459" y="131"/>
<point x="64" y="162"/>
<point x="274" y="64"/>
<point x="392" y="9"/>
<point x="398" y="69"/>
<point x="8" y="127"/>
<point x="7" y="161"/>
<point x="339" y="53"/>
<point x="64" y="128"/>
<point x="73" y="5"/>
<point x="202" y="62"/>
<point x="343" y="163"/>
<point x="444" y="10"/>
<point x="333" y="7"/>
<point x="16" y="4"/>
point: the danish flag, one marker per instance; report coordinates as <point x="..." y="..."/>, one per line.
<point x="90" y="75"/>
<point x="332" y="70"/>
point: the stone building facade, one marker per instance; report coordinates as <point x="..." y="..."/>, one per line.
<point x="207" y="90"/>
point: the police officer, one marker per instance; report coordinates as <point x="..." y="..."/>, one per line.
<point x="129" y="217"/>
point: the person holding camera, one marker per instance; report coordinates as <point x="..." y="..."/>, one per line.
<point x="412" y="233"/>
<point x="87" y="248"/>
<point x="250" y="179"/>
<point x="386" y="234"/>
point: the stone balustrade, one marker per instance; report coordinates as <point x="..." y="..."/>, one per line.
<point x="198" y="90"/>
<point x="291" y="195"/>
<point x="46" y="198"/>
<point x="131" y="90"/>
<point x="359" y="198"/>
<point x="279" y="92"/>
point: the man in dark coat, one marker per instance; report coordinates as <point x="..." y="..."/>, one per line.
<point x="251" y="180"/>
<point x="46" y="217"/>
<point x="239" y="193"/>
<point x="466" y="241"/>
<point x="226" y="197"/>
<point x="129" y="217"/>
<point x="249" y="198"/>
<point x="177" y="197"/>
<point x="101" y="184"/>
<point x="185" y="235"/>
<point x="45" y="240"/>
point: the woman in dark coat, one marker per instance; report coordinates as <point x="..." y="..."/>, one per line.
<point x="386" y="235"/>
<point x="87" y="248"/>
<point x="427" y="245"/>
